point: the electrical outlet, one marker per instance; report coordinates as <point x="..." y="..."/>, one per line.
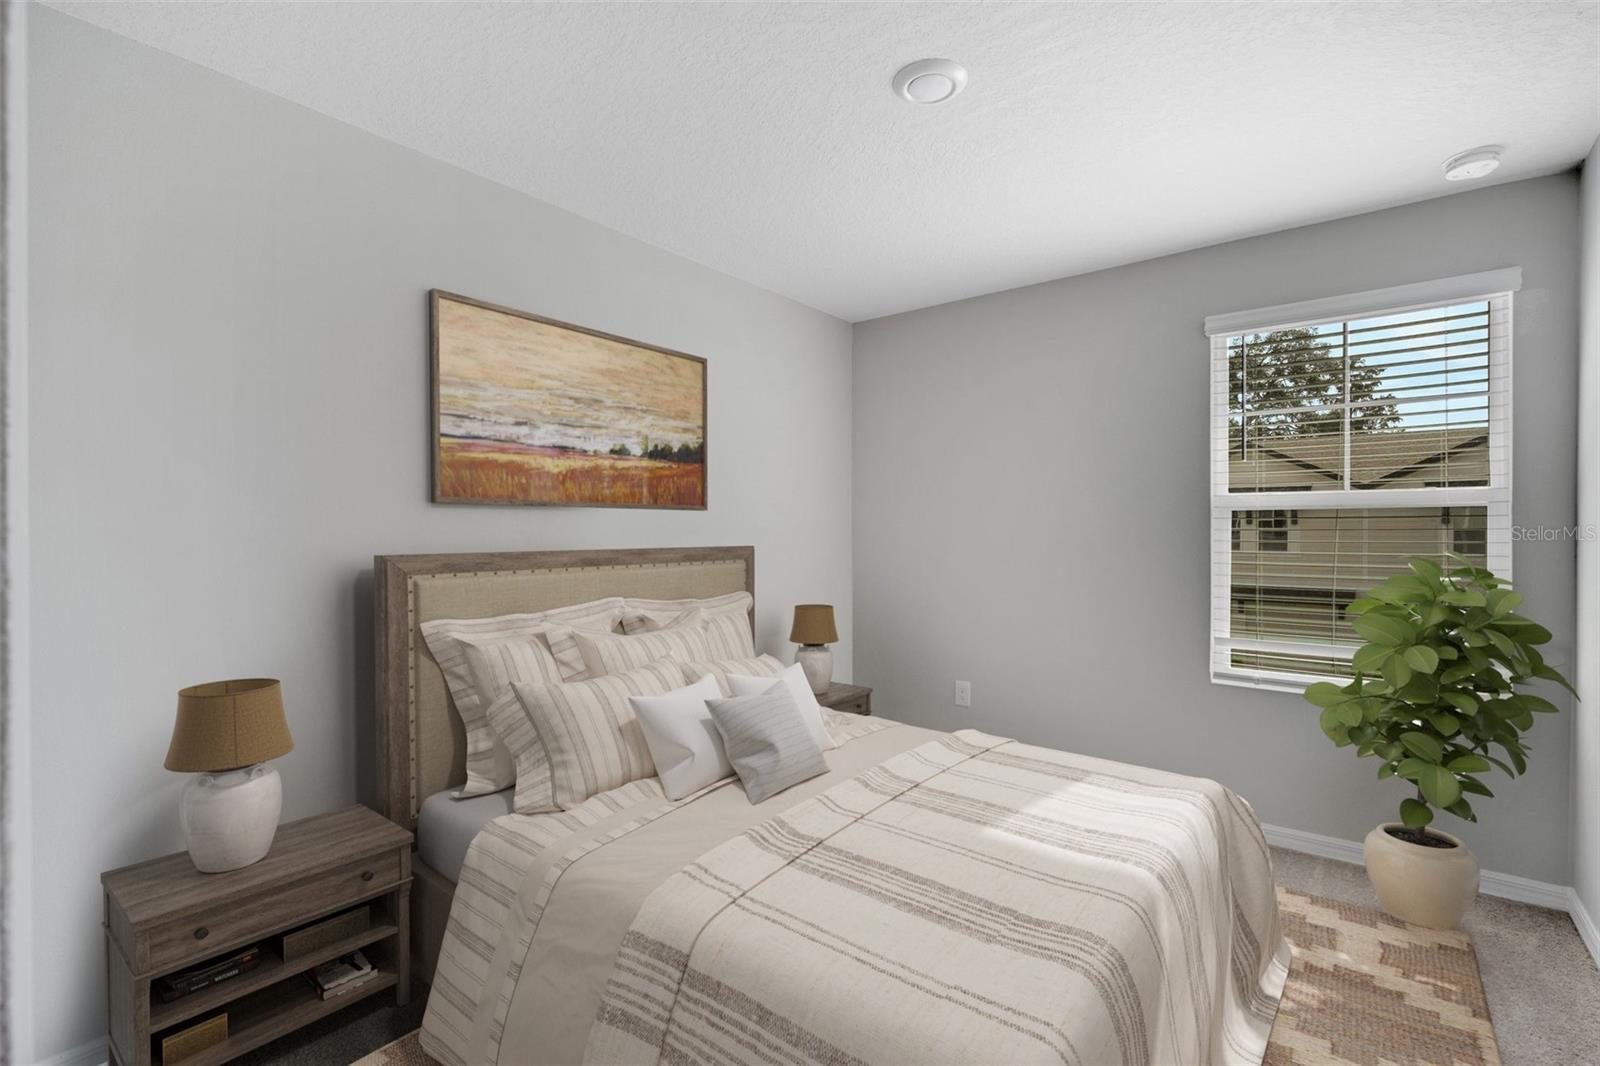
<point x="963" y="693"/>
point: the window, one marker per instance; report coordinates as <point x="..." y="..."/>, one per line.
<point x="1348" y="436"/>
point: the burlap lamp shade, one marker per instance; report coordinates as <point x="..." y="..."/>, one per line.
<point x="813" y="624"/>
<point x="226" y="725"/>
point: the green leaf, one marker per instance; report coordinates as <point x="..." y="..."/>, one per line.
<point x="1462" y="809"/>
<point x="1411" y="768"/>
<point x="1439" y="786"/>
<point x="1361" y="606"/>
<point x="1425" y="568"/>
<point x="1397" y="671"/>
<point x="1333" y="725"/>
<point x="1381" y="629"/>
<point x="1445" y="724"/>
<point x="1523" y="630"/>
<point x="1414" y="813"/>
<point x="1422" y="658"/>
<point x="1462" y="597"/>
<point x="1527" y="701"/>
<point x="1460" y="701"/>
<point x="1468" y="764"/>
<point x="1423" y="746"/>
<point x="1403" y="588"/>
<point x="1551" y="674"/>
<point x="1476" y="787"/>
<point x="1324" y="694"/>
<point x="1504" y="643"/>
<point x="1369" y="658"/>
<point x="1503" y="603"/>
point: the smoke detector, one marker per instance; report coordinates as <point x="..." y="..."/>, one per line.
<point x="929" y="81"/>
<point x="1477" y="163"/>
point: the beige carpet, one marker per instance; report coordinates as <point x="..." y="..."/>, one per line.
<point x="1364" y="989"/>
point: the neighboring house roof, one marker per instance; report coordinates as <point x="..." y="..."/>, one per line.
<point x="1375" y="458"/>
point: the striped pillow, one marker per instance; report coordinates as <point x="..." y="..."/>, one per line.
<point x="727" y="632"/>
<point x="493" y="666"/>
<point x="488" y="762"/>
<point x="761" y="665"/>
<point x="613" y="653"/>
<point x="586" y="731"/>
<point x="638" y="614"/>
<point x="767" y="742"/>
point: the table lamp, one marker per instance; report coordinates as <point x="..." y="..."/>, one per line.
<point x="225" y="733"/>
<point x="813" y="630"/>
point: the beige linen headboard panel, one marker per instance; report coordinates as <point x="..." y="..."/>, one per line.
<point x="421" y="746"/>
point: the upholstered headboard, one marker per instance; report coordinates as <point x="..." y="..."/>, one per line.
<point x="421" y="745"/>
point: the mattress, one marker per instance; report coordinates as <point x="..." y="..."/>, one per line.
<point x="446" y="826"/>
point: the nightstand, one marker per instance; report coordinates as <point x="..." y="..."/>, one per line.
<point x="164" y="916"/>
<point x="851" y="699"/>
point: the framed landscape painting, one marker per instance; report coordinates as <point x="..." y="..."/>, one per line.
<point x="528" y="410"/>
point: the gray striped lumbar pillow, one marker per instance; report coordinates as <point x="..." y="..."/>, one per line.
<point x="767" y="741"/>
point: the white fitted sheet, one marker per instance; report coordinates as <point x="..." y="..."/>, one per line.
<point x="446" y="826"/>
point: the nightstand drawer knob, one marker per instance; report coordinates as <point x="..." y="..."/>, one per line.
<point x="366" y="875"/>
<point x="201" y="933"/>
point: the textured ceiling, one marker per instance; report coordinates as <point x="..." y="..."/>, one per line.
<point x="763" y="139"/>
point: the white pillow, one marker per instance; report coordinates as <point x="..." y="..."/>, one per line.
<point x="683" y="740"/>
<point x="794" y="679"/>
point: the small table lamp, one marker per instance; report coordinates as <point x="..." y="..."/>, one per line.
<point x="813" y="630"/>
<point x="225" y="733"/>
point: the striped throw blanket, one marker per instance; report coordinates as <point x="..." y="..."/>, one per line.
<point x="971" y="900"/>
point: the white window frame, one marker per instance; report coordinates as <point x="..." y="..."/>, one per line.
<point x="1496" y="287"/>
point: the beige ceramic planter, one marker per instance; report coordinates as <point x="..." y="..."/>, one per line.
<point x="1434" y="887"/>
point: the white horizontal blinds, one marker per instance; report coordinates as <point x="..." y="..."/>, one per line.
<point x="1340" y="450"/>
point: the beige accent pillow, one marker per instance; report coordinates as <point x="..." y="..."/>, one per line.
<point x="761" y="665"/>
<point x="614" y="653"/>
<point x="489" y="766"/>
<point x="587" y="732"/>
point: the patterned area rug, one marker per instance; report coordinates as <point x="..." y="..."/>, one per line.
<point x="1365" y="989"/>
<point x="1370" y="989"/>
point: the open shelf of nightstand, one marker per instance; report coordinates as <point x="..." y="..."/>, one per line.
<point x="272" y="970"/>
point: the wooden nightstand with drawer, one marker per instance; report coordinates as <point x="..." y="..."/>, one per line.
<point x="851" y="699"/>
<point x="339" y="882"/>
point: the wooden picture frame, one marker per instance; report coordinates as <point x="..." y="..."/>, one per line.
<point x="570" y="447"/>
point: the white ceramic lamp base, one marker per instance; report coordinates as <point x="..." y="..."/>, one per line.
<point x="229" y="819"/>
<point x="817" y="662"/>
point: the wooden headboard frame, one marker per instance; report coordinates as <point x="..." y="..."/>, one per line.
<point x="510" y="582"/>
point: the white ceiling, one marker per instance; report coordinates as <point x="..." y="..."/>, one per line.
<point x="763" y="139"/>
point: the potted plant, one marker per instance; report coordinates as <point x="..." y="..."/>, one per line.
<point x="1438" y="698"/>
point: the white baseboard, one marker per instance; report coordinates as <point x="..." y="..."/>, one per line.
<point x="92" y="1053"/>
<point x="1505" y="886"/>
<point x="1585" y="923"/>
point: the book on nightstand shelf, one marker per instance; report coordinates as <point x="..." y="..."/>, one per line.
<point x="176" y="986"/>
<point x="342" y="975"/>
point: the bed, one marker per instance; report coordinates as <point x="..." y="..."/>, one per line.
<point x="933" y="897"/>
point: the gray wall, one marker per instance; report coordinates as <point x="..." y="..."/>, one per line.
<point x="1586" y="724"/>
<point x="1031" y="508"/>
<point x="230" y="418"/>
